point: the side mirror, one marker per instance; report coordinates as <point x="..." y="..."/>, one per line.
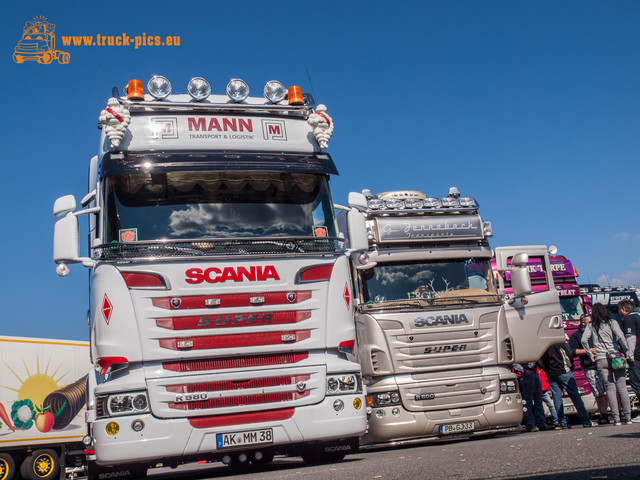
<point x="358" y="201"/>
<point x="66" y="240"/>
<point x="356" y="224"/>
<point x="64" y="205"/>
<point x="520" y="281"/>
<point x="520" y="260"/>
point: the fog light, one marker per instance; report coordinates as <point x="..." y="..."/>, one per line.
<point x="112" y="428"/>
<point x="274" y="91"/>
<point x="507" y="399"/>
<point x="159" y="87"/>
<point x="379" y="413"/>
<point x="137" y="425"/>
<point x="199" y="88"/>
<point x="357" y="403"/>
<point x="338" y="405"/>
<point x="237" y="90"/>
<point x="86" y="440"/>
<point x="395" y="412"/>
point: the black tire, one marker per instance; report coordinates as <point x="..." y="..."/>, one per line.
<point x="7" y="467"/>
<point x="315" y="457"/>
<point x="41" y="465"/>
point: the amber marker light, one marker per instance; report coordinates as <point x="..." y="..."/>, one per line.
<point x="112" y="428"/>
<point x="295" y="96"/>
<point x="369" y="401"/>
<point x="135" y="90"/>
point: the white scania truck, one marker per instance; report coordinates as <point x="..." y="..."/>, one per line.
<point x="435" y="334"/>
<point x="221" y="311"/>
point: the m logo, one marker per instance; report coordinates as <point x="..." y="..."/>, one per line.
<point x="274" y="130"/>
<point x="164" y="127"/>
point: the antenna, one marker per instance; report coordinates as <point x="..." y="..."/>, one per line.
<point x="311" y="83"/>
<point x="607" y="277"/>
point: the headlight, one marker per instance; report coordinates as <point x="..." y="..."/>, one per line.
<point x="375" y="203"/>
<point x="159" y="87"/>
<point x="413" y="203"/>
<point x="274" y="91"/>
<point x="384" y="399"/>
<point x="449" y="202"/>
<point x="508" y="386"/>
<point x="122" y="404"/>
<point x="340" y="384"/>
<point x="467" y="202"/>
<point x="431" y="202"/>
<point x="199" y="88"/>
<point x="237" y="90"/>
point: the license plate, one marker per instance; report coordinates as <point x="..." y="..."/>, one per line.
<point x="456" y="428"/>
<point x="251" y="437"/>
<point x="570" y="409"/>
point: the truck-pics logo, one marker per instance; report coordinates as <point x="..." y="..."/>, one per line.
<point x="239" y="274"/>
<point x="430" y="321"/>
<point x="38" y="43"/>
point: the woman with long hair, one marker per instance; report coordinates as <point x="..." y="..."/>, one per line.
<point x="607" y="335"/>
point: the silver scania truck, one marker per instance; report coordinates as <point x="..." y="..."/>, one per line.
<point x="435" y="333"/>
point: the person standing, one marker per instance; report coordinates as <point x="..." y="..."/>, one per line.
<point x="607" y="336"/>
<point x="557" y="364"/>
<point x="547" y="400"/>
<point x="631" y="329"/>
<point x="589" y="367"/>
<point x="532" y="394"/>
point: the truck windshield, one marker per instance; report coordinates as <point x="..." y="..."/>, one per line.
<point x="226" y="205"/>
<point x="571" y="308"/>
<point x="451" y="282"/>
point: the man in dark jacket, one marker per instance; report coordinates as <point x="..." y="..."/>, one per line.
<point x="557" y="364"/>
<point x="631" y="329"/>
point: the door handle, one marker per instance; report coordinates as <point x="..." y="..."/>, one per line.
<point x="555" y="322"/>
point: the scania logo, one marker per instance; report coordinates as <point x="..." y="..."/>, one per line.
<point x="430" y="321"/>
<point x="233" y="274"/>
<point x="176" y="302"/>
<point x="291" y="296"/>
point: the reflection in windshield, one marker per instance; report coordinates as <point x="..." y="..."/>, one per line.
<point x="571" y="308"/>
<point x="454" y="280"/>
<point x="190" y="205"/>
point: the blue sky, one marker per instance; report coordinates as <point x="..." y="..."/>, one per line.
<point x="531" y="106"/>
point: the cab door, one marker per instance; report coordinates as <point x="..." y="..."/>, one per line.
<point x="528" y="326"/>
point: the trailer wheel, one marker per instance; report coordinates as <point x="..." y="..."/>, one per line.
<point x="7" y="467"/>
<point x="40" y="465"/>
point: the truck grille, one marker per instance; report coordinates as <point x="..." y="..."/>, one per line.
<point x="231" y="300"/>
<point x="231" y="341"/>
<point x="235" y="362"/>
<point x="233" y="320"/>
<point x="239" y="401"/>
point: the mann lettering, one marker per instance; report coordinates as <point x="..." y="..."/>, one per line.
<point x="201" y="124"/>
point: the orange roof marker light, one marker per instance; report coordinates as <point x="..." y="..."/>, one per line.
<point x="295" y="96"/>
<point x="134" y="90"/>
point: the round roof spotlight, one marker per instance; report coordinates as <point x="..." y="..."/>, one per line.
<point x="274" y="91"/>
<point x="199" y="88"/>
<point x="237" y="90"/>
<point x="159" y="87"/>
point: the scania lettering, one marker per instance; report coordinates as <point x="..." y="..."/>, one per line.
<point x="220" y="310"/>
<point x="435" y="336"/>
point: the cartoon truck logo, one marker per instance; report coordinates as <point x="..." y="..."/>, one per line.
<point x="38" y="43"/>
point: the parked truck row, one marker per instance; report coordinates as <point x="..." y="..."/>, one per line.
<point x="233" y="317"/>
